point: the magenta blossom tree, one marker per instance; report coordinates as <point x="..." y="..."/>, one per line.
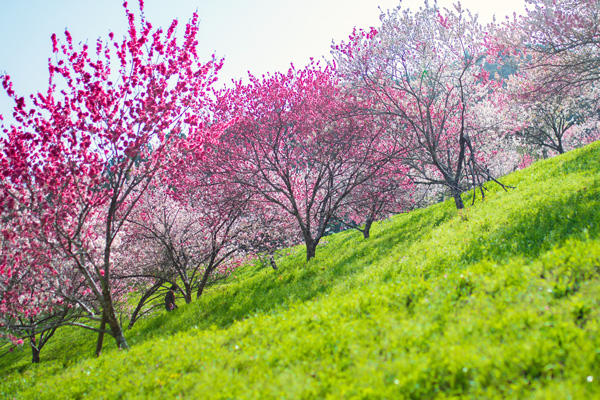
<point x="81" y="155"/>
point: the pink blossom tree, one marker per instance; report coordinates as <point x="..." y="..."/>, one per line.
<point x="267" y="230"/>
<point x="294" y="144"/>
<point x="189" y="241"/>
<point x="424" y="70"/>
<point x="86" y="150"/>
<point x="560" y="38"/>
<point x="550" y="122"/>
<point x="38" y="291"/>
<point x="389" y="192"/>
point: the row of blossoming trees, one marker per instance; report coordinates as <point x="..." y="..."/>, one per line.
<point x="132" y="172"/>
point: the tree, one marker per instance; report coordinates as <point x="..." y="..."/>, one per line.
<point x="266" y="231"/>
<point x="388" y="192"/>
<point x="549" y="122"/>
<point x="88" y="148"/>
<point x="188" y="238"/>
<point x="38" y="292"/>
<point x="560" y="37"/>
<point x="424" y="70"/>
<point x="294" y="144"/>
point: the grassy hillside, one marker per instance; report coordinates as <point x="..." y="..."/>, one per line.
<point x="502" y="301"/>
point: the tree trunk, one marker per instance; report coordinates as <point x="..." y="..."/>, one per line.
<point x="203" y="282"/>
<point x="35" y="355"/>
<point x="311" y="249"/>
<point x="457" y="199"/>
<point x="187" y="295"/>
<point x="115" y="328"/>
<point x="35" y="350"/>
<point x="100" y="341"/>
<point x="108" y="308"/>
<point x="367" y="231"/>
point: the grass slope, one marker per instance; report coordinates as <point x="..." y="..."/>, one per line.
<point x="501" y="302"/>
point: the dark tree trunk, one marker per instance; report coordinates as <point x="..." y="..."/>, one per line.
<point x="35" y="350"/>
<point x="457" y="199"/>
<point x="100" y="341"/>
<point x="115" y="328"/>
<point x="311" y="249"/>
<point x="36" y="346"/>
<point x="203" y="282"/>
<point x="35" y="355"/>
<point x="187" y="295"/>
<point x="367" y="231"/>
<point x="108" y="309"/>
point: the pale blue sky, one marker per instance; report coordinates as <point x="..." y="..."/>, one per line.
<point x="260" y="36"/>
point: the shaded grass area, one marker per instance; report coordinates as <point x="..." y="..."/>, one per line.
<point x="500" y="302"/>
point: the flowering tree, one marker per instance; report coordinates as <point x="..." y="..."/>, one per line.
<point x="388" y="192"/>
<point x="38" y="292"/>
<point x="425" y="71"/>
<point x="35" y="322"/>
<point x="561" y="39"/>
<point x="86" y="150"/>
<point x="550" y="122"/>
<point x="267" y="230"/>
<point x="293" y="145"/>
<point x="189" y="242"/>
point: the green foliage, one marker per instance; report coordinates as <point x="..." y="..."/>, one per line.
<point x="501" y="302"/>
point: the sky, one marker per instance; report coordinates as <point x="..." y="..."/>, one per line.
<point x="258" y="36"/>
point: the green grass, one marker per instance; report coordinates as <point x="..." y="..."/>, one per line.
<point x="500" y="302"/>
